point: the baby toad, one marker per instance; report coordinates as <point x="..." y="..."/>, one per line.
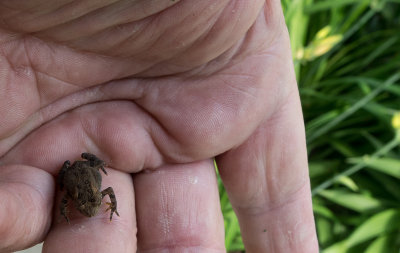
<point x="82" y="180"/>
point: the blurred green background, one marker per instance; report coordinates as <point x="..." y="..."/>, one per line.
<point x="347" y="60"/>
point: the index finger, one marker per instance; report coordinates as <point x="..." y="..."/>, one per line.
<point x="98" y="233"/>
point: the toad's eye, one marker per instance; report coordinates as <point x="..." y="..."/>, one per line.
<point x="92" y="200"/>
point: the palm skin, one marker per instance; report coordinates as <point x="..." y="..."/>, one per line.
<point x="161" y="87"/>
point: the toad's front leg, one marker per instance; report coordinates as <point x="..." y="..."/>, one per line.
<point x="61" y="174"/>
<point x="95" y="162"/>
<point x="63" y="207"/>
<point x="113" y="205"/>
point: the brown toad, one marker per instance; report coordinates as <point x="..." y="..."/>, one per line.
<point x="82" y="180"/>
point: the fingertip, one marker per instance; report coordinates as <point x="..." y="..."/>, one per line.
<point x="103" y="232"/>
<point x="178" y="209"/>
<point x="27" y="195"/>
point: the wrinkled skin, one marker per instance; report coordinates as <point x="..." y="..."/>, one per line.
<point x="158" y="86"/>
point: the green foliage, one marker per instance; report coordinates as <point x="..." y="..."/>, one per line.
<point x="350" y="89"/>
<point x="347" y="61"/>
<point x="233" y="239"/>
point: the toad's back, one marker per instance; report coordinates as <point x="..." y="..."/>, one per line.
<point x="82" y="179"/>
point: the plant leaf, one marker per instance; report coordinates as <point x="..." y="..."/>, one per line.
<point x="354" y="201"/>
<point x="375" y="226"/>
<point x="388" y="166"/>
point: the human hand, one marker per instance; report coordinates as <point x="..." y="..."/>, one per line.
<point x="161" y="86"/>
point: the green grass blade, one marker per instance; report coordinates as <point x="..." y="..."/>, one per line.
<point x="354" y="201"/>
<point x="388" y="166"/>
<point x="385" y="243"/>
<point x="393" y="79"/>
<point x="379" y="224"/>
<point x="388" y="147"/>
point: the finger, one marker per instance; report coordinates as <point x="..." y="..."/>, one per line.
<point x="26" y="200"/>
<point x="116" y="131"/>
<point x="97" y="234"/>
<point x="178" y="209"/>
<point x="267" y="182"/>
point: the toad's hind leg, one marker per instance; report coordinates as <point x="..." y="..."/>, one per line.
<point x="63" y="207"/>
<point x="113" y="205"/>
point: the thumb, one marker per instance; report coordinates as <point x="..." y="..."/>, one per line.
<point x="26" y="197"/>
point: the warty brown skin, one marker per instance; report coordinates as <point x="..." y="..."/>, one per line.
<point x="82" y="182"/>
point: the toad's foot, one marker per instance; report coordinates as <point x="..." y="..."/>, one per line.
<point x="113" y="209"/>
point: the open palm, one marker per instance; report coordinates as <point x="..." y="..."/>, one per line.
<point x="157" y="87"/>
